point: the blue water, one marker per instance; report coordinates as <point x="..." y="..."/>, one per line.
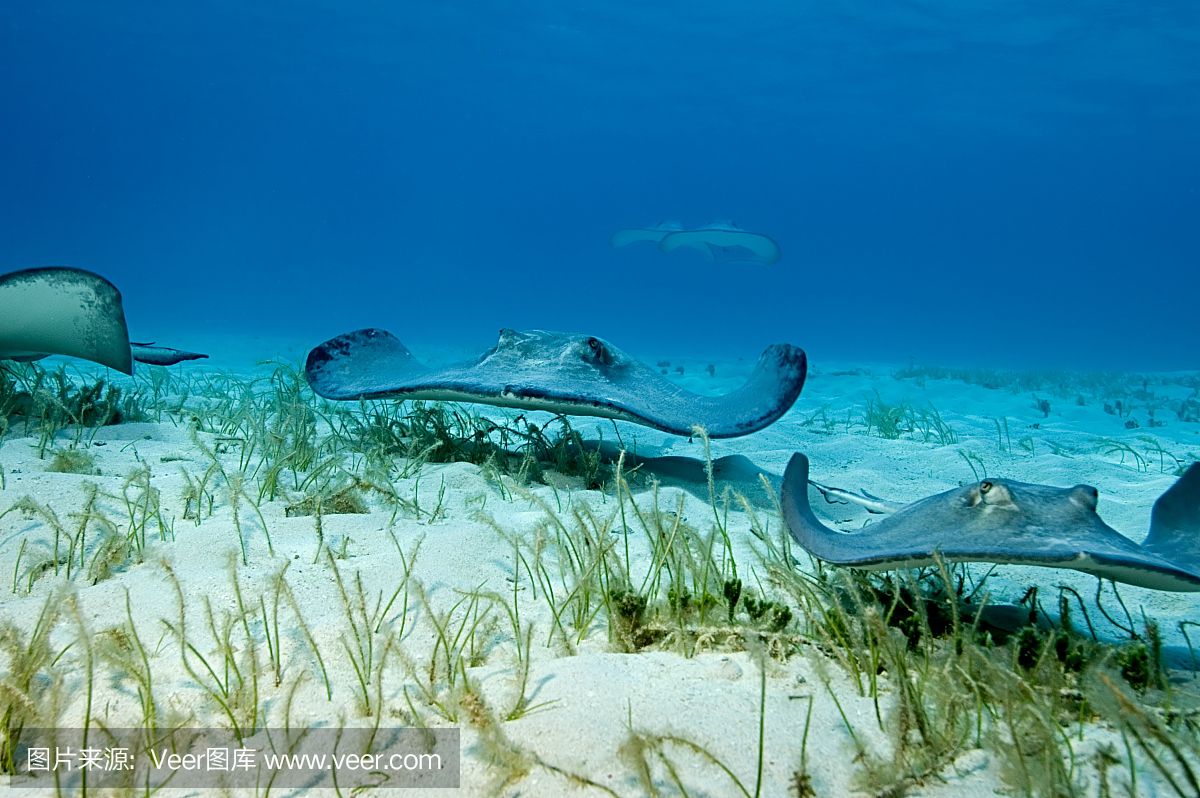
<point x="977" y="182"/>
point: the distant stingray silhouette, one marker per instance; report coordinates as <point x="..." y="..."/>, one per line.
<point x="655" y="234"/>
<point x="721" y="241"/>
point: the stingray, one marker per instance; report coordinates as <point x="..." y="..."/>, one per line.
<point x="655" y="234"/>
<point x="734" y="471"/>
<point x="58" y="310"/>
<point x="568" y="374"/>
<point x="725" y="241"/>
<point x="1004" y="521"/>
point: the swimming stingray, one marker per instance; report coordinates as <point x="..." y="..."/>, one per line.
<point x="58" y="310"/>
<point x="724" y="241"/>
<point x="1003" y="521"/>
<point x="575" y="375"/>
<point x="655" y="234"/>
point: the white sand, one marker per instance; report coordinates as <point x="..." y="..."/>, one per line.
<point x="587" y="698"/>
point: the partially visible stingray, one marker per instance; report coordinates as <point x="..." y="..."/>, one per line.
<point x="655" y="234"/>
<point x="734" y="470"/>
<point x="1003" y="521"/>
<point x="161" y="355"/>
<point x="63" y="311"/>
<point x="569" y="374"/>
<point x="725" y="241"/>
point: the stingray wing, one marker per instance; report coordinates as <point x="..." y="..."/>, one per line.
<point x="364" y="364"/>
<point x="529" y="371"/>
<point x="1175" y="520"/>
<point x="63" y="311"/>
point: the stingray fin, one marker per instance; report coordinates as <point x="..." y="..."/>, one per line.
<point x="60" y="310"/>
<point x="344" y="367"/>
<point x="807" y="530"/>
<point x="769" y="392"/>
<point x="1175" y="520"/>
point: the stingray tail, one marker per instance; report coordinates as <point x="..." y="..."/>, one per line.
<point x="1175" y="520"/>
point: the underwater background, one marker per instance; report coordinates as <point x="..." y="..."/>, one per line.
<point x="999" y="184"/>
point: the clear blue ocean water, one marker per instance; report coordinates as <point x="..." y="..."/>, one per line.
<point x="1001" y="184"/>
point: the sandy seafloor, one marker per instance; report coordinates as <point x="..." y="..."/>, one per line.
<point x="588" y="697"/>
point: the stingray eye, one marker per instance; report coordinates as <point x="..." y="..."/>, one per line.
<point x="984" y="487"/>
<point x="1085" y="496"/>
<point x="598" y="352"/>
